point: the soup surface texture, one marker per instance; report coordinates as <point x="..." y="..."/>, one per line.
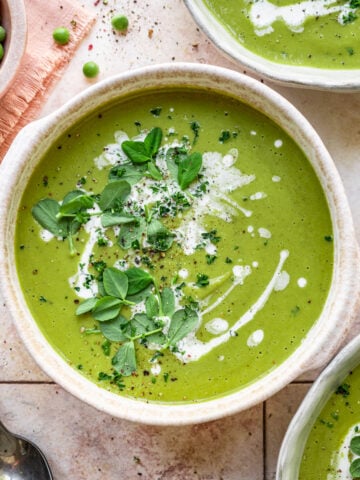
<point x="195" y="249"/>
<point x="333" y="447"/>
<point x="313" y="33"/>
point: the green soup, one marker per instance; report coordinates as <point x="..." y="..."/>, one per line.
<point x="334" y="441"/>
<point x="216" y="219"/>
<point x="312" y="33"/>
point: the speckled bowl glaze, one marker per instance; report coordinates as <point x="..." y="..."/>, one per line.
<point x="324" y="338"/>
<point x="13" y="19"/>
<point x="289" y="75"/>
<point x="294" y="442"/>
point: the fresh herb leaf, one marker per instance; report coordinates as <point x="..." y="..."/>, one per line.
<point x="211" y="236"/>
<point x="109" y="219"/>
<point x="355" y="444"/>
<point x="86" y="306"/>
<point x="45" y="213"/>
<point x="224" y="136"/>
<point x="124" y="361"/>
<point x="142" y="152"/>
<point x="195" y="127"/>
<point x="148" y="329"/>
<point x="106" y="347"/>
<point x="106" y="308"/>
<point x="202" y="280"/>
<point x="159" y="236"/>
<point x="136" y="151"/>
<point x="168" y="301"/>
<point x="138" y="280"/>
<point x="152" y="306"/>
<point x="189" y="168"/>
<point x="343" y="389"/>
<point x="152" y="141"/>
<point x="182" y="322"/>
<point x="129" y="172"/>
<point x="114" y="194"/>
<point x="74" y="202"/>
<point x="355" y="468"/>
<point x="115" y="283"/>
<point x="154" y="172"/>
<point x="132" y="232"/>
<point x="116" y="330"/>
<point x="174" y="156"/>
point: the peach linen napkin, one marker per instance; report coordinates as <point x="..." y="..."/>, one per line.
<point x="42" y="64"/>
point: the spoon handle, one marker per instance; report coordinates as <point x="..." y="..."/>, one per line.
<point x="8" y="443"/>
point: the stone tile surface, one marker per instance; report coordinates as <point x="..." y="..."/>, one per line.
<point x="82" y="443"/>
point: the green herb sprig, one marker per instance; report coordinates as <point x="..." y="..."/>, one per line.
<point x="125" y="288"/>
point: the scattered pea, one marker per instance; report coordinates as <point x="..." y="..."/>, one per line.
<point x="61" y="35"/>
<point x="120" y="23"/>
<point x="2" y="34"/>
<point x="1" y="51"/>
<point x="90" y="69"/>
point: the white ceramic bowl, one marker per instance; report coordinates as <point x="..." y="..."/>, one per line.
<point x="325" y="336"/>
<point x="294" y="442"/>
<point x="316" y="78"/>
<point x="13" y="19"/>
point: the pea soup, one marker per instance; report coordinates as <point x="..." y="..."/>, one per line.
<point x="312" y="33"/>
<point x="333" y="447"/>
<point x="175" y="246"/>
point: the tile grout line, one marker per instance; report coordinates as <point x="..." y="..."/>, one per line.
<point x="27" y="382"/>
<point x="264" y="439"/>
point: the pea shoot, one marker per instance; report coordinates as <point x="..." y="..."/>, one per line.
<point x="120" y="23"/>
<point x="91" y="69"/>
<point x="61" y="35"/>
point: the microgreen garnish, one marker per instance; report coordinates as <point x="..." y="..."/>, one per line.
<point x="145" y="327"/>
<point x="188" y="169"/>
<point x="128" y="306"/>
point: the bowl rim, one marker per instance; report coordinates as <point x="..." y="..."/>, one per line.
<point x="294" y="441"/>
<point x="37" y="134"/>
<point x="16" y="44"/>
<point x="347" y="80"/>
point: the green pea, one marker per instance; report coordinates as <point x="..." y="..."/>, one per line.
<point x="61" y="35"/>
<point x="120" y="23"/>
<point x="2" y="34"/>
<point x="1" y="51"/>
<point x="90" y="69"/>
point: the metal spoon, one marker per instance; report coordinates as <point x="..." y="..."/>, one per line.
<point x="20" y="459"/>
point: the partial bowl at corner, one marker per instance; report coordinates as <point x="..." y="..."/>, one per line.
<point x="231" y="42"/>
<point x="13" y="19"/>
<point x="294" y="442"/>
<point x="328" y="330"/>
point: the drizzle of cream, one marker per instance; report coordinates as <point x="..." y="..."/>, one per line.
<point x="92" y="227"/>
<point x="216" y="326"/>
<point x="191" y="348"/>
<point x="263" y="13"/>
<point x="282" y="281"/>
<point x="264" y="232"/>
<point x="46" y="236"/>
<point x="258" y="196"/>
<point x="255" y="338"/>
<point x="302" y="282"/>
<point x="240" y="272"/>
